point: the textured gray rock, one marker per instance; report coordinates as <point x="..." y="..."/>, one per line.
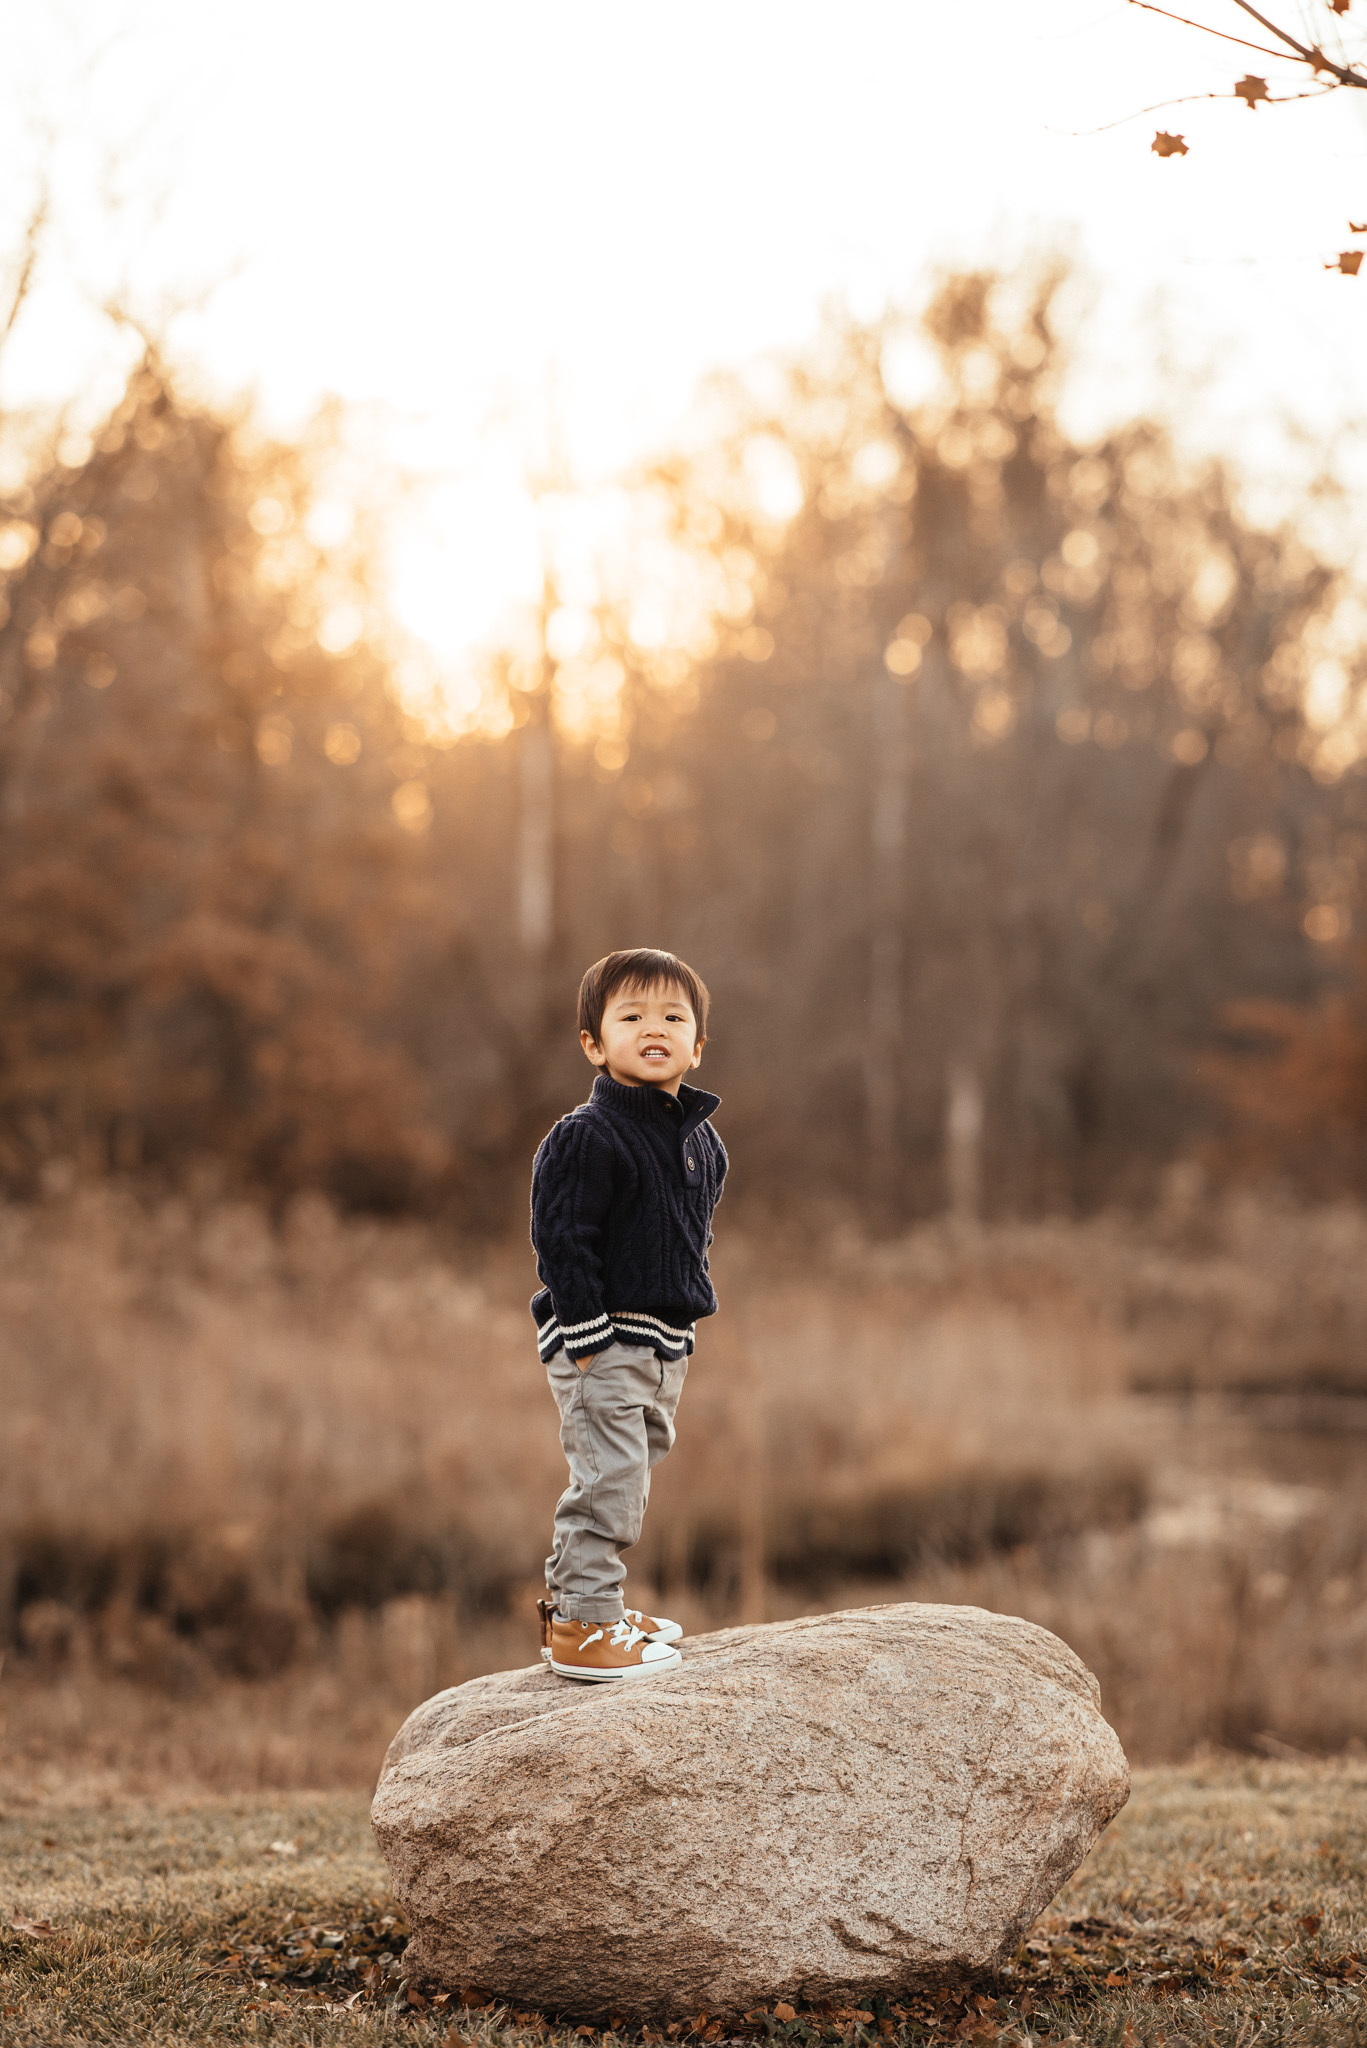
<point x="820" y="1808"/>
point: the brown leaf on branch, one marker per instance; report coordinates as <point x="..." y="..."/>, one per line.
<point x="1164" y="144"/>
<point x="1318" y="61"/>
<point x="1250" y="90"/>
<point x="1340" y="6"/>
<point x="1357" y="227"/>
<point x="1350" y="262"/>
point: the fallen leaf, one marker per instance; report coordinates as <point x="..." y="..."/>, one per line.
<point x="451" y="2039"/>
<point x="865" y="2017"/>
<point x="41" y="1930"/>
<point x="1250" y="90"/>
<point x="1164" y="144"/>
<point x="584" y="2033"/>
<point x="784" y="2012"/>
<point x="1310" y="1924"/>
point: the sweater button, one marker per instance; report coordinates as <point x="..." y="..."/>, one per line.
<point x="690" y="1162"/>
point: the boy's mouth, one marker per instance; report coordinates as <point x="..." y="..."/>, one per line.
<point x="655" y="1052"/>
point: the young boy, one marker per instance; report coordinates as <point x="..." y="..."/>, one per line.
<point x="623" y="1190"/>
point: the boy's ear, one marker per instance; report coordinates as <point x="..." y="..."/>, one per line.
<point x="593" y="1049"/>
<point x="697" y="1052"/>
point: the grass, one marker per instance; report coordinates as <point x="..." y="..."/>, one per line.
<point x="1226" y="1905"/>
<point x="270" y="1484"/>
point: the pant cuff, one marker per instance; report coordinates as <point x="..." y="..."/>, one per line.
<point x="600" y="1612"/>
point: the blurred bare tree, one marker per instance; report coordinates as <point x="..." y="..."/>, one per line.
<point x="986" y="777"/>
<point x="202" y="879"/>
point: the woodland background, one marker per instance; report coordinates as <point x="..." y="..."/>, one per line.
<point x="1008" y="794"/>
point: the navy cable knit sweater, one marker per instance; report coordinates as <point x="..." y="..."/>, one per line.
<point x="623" y="1190"/>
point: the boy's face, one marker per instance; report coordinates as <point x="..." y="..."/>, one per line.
<point x="649" y="1039"/>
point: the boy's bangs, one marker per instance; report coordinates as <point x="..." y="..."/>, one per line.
<point x="640" y="972"/>
<point x="647" y="985"/>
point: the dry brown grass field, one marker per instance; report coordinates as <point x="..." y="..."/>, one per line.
<point x="266" y="1487"/>
<point x="1225" y="1906"/>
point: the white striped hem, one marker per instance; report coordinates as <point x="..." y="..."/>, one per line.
<point x="574" y="1336"/>
<point x="630" y="1318"/>
<point x="629" y="1326"/>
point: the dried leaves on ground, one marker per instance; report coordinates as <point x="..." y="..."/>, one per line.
<point x="1067" y="1969"/>
<point x="1226" y="1907"/>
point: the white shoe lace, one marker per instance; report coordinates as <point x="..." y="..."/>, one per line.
<point x="624" y="1636"/>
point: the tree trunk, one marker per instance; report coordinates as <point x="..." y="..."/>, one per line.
<point x="536" y="833"/>
<point x="887" y="949"/>
<point x="963" y="1141"/>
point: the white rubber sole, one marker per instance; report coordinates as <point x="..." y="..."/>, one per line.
<point x="630" y="1671"/>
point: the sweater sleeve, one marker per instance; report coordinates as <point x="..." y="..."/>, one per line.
<point x="571" y="1194"/>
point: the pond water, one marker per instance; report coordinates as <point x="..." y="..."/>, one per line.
<point x="1303" y="1439"/>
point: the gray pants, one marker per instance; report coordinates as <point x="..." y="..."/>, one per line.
<point x="616" y="1423"/>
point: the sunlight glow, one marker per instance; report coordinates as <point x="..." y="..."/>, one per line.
<point x="517" y="356"/>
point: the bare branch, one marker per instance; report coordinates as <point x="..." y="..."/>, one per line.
<point x="1343" y="73"/>
<point x="28" y="262"/>
<point x="1185" y="100"/>
<point x="1168" y="15"/>
<point x="1313" y="55"/>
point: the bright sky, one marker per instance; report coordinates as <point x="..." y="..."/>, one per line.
<point x="461" y="214"/>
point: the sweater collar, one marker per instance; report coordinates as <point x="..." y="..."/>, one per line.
<point x="652" y="1105"/>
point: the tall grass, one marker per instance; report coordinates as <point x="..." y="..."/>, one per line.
<point x="297" y="1476"/>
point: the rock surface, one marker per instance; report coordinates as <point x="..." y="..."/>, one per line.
<point x="830" y="1807"/>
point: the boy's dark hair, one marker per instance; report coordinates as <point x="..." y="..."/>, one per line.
<point x="640" y="968"/>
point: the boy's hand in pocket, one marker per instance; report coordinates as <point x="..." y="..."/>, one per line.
<point x="584" y="1363"/>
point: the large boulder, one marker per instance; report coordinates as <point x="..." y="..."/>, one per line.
<point x="825" y="1808"/>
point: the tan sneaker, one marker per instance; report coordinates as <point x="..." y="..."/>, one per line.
<point x="655" y="1625"/>
<point x="608" y="1650"/>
